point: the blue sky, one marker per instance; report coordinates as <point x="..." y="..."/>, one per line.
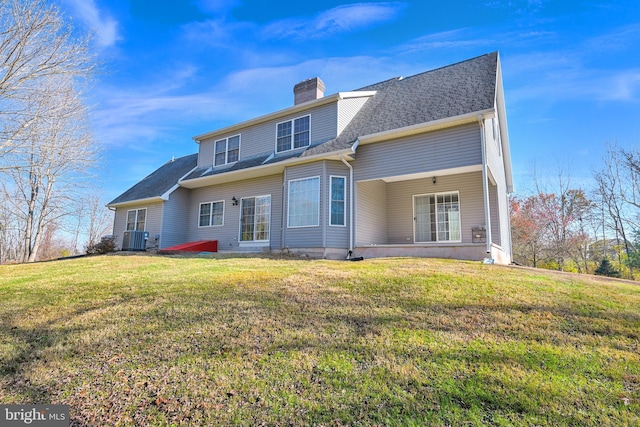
<point x="175" y="69"/>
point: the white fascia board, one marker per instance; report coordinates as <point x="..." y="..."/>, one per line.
<point x="504" y="133"/>
<point x="259" y="171"/>
<point x="426" y="127"/>
<point x="356" y="94"/>
<point x="154" y="199"/>
<point x="287" y="111"/>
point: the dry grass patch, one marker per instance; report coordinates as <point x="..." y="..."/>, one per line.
<point x="143" y="340"/>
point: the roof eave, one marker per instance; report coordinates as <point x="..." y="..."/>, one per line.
<point x="259" y="171"/>
<point x="504" y="133"/>
<point x="155" y="199"/>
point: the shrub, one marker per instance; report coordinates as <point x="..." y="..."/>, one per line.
<point x="104" y="246"/>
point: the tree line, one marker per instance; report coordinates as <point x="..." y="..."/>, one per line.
<point x="46" y="148"/>
<point x="593" y="230"/>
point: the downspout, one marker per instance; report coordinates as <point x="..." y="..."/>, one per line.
<point x="351" y="230"/>
<point x="485" y="184"/>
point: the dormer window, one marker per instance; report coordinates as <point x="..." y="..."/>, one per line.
<point x="227" y="150"/>
<point x="293" y="134"/>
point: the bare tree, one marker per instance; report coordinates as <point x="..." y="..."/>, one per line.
<point x="100" y="220"/>
<point x="35" y="44"/>
<point x="617" y="186"/>
<point x="45" y="148"/>
<point x="91" y="220"/>
<point x="59" y="151"/>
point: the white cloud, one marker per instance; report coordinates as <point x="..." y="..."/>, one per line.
<point x="340" y="19"/>
<point x="104" y="27"/>
<point x="618" y="40"/>
<point x="455" y="39"/>
<point x="216" y="33"/>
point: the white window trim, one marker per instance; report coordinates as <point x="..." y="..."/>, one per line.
<point x="317" y="224"/>
<point x="226" y="149"/>
<point x="211" y="214"/>
<point x="437" y="242"/>
<point x="252" y="242"/>
<point x="126" y="221"/>
<point x="344" y="207"/>
<point x="293" y="131"/>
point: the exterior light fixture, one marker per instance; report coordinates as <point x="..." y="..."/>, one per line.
<point x="234" y="200"/>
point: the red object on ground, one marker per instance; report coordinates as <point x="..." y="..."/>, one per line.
<point x="199" y="246"/>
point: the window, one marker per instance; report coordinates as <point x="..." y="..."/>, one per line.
<point x="437" y="218"/>
<point x="136" y="219"/>
<point x="255" y="217"/>
<point x="227" y="150"/>
<point x="293" y="134"/>
<point x="211" y="214"/>
<point x="304" y="202"/>
<point x="337" y="202"/>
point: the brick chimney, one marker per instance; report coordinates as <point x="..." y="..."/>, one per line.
<point x="308" y="90"/>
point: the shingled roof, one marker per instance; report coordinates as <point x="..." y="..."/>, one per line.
<point x="160" y="181"/>
<point x="454" y="90"/>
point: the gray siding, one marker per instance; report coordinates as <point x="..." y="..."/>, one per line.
<point x="306" y="237"/>
<point x="347" y="109"/>
<point x="205" y="152"/>
<point x="371" y="213"/>
<point x="496" y="236"/>
<point x="400" y="204"/>
<point x="385" y="211"/>
<point x="336" y="236"/>
<point x="261" y="138"/>
<point x="152" y="223"/>
<point x="228" y="234"/>
<point x="442" y="149"/>
<point x="176" y="212"/>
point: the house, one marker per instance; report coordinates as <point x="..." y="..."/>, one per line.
<point x="414" y="166"/>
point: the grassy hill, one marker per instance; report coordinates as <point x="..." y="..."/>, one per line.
<point x="148" y="340"/>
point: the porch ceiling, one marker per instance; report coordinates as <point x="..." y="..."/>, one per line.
<point x="430" y="174"/>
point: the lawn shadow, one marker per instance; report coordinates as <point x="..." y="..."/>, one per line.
<point x="32" y="344"/>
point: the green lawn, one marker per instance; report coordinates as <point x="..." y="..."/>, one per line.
<point x="158" y="341"/>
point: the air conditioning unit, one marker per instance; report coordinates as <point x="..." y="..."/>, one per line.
<point x="135" y="240"/>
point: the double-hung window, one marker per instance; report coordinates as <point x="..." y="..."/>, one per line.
<point x="437" y="217"/>
<point x="211" y="214"/>
<point x="337" y="202"/>
<point x="136" y="219"/>
<point x="293" y="134"/>
<point x="255" y="219"/>
<point x="226" y="150"/>
<point x="304" y="202"/>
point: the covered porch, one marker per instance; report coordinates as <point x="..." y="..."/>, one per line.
<point x="437" y="214"/>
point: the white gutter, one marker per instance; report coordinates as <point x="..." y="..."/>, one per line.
<point x="155" y="199"/>
<point x="258" y="171"/>
<point x="351" y="186"/>
<point x="485" y="184"/>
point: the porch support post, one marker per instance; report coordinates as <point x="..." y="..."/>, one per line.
<point x="351" y="230"/>
<point x="485" y="184"/>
